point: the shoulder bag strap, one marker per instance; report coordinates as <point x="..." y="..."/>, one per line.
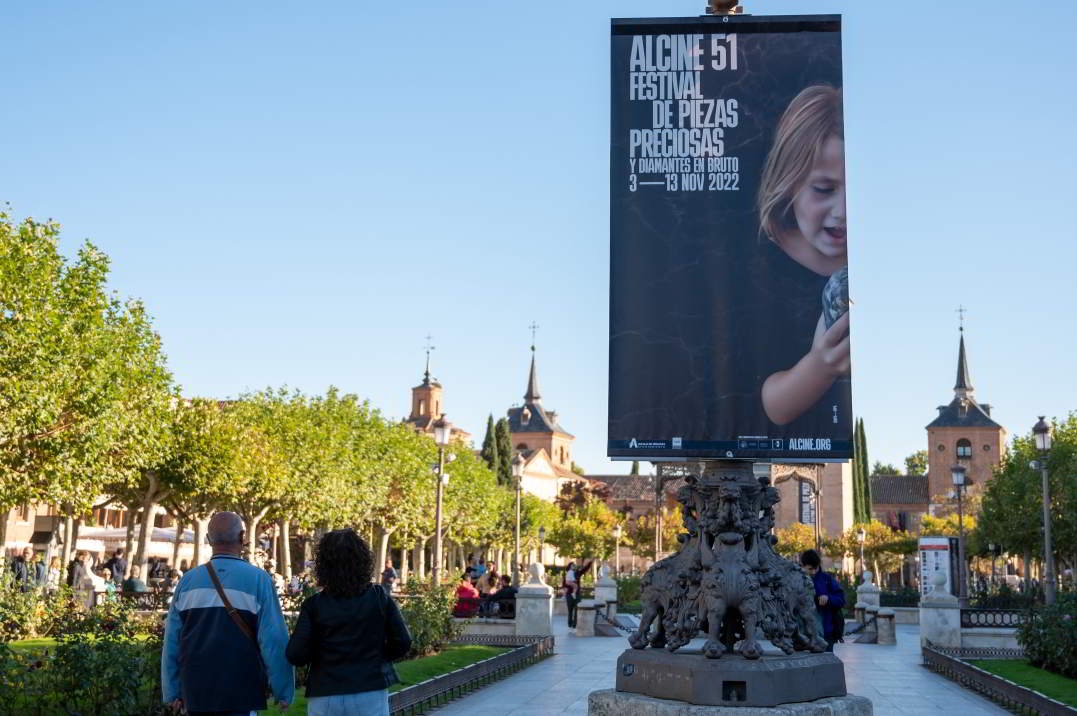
<point x="243" y="626"/>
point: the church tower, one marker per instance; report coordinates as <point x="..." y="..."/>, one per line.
<point x="533" y="427"/>
<point x="963" y="433"/>
<point x="427" y="405"/>
<point x="425" y="400"/>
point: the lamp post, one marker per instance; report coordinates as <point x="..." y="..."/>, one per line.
<point x="861" y="535"/>
<point x="617" y="549"/>
<point x="518" y="475"/>
<point x="957" y="474"/>
<point x="1042" y="432"/>
<point x="442" y="432"/>
<point x="542" y="541"/>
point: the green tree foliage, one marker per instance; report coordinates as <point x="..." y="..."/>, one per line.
<point x="505" y="451"/>
<point x="884" y="548"/>
<point x="585" y="532"/>
<point x="794" y="539"/>
<point x="639" y="531"/>
<point x="884" y="469"/>
<point x="861" y="475"/>
<point x="1012" y="506"/>
<point x="83" y="382"/>
<point x="489" y="446"/>
<point x="916" y="463"/>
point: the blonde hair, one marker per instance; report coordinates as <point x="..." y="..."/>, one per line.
<point x="811" y="118"/>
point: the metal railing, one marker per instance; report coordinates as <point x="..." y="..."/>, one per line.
<point x="1011" y="695"/>
<point x="993" y="618"/>
<point x="435" y="692"/>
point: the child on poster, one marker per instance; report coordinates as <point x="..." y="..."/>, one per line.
<point x="802" y="210"/>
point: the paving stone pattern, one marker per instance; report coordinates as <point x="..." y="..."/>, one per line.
<point x="891" y="676"/>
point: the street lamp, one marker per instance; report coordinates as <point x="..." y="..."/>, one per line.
<point x="542" y="542"/>
<point x="617" y="549"/>
<point x="1042" y="432"/>
<point x="442" y="433"/>
<point x="957" y="474"/>
<point x="518" y="474"/>
<point x="861" y="535"/>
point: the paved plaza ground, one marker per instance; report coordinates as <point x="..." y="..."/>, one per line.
<point x="891" y="676"/>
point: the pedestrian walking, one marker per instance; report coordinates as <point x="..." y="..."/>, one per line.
<point x="389" y="576"/>
<point x="349" y="633"/>
<point x="225" y="635"/>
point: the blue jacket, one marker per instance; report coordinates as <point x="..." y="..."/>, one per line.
<point x="826" y="584"/>
<point x="207" y="661"/>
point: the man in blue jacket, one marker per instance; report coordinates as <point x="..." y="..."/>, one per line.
<point x="829" y="598"/>
<point x="210" y="664"/>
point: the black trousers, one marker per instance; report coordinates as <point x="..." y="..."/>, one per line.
<point x="572" y="601"/>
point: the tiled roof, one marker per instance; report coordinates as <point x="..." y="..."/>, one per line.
<point x="965" y="413"/>
<point x="538" y="420"/>
<point x="899" y="490"/>
<point x="634" y="487"/>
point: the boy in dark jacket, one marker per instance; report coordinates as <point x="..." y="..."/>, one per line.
<point x="829" y="598"/>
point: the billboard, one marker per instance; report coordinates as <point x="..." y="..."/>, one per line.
<point x="729" y="324"/>
<point x="938" y="555"/>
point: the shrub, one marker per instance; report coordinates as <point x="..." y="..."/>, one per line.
<point x="1050" y="638"/>
<point x="1005" y="597"/>
<point x="25" y="615"/>
<point x="114" y="675"/>
<point x="628" y="589"/>
<point x="427" y="611"/>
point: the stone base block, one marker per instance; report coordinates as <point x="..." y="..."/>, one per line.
<point x="689" y="677"/>
<point x="616" y="703"/>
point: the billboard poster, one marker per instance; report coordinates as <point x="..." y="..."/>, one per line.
<point x="729" y="323"/>
<point x="938" y="556"/>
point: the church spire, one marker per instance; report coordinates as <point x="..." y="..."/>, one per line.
<point x="963" y="386"/>
<point x="532" y="395"/>
<point x="429" y="347"/>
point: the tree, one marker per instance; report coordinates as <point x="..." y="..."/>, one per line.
<point x="861" y="475"/>
<point x="639" y="531"/>
<point x="916" y="463"/>
<point x="505" y="452"/>
<point x="83" y="382"/>
<point x="795" y="539"/>
<point x="575" y="495"/>
<point x="489" y="446"/>
<point x="884" y="548"/>
<point x="635" y="468"/>
<point x="1012" y="506"/>
<point x="585" y="532"/>
<point x="884" y="469"/>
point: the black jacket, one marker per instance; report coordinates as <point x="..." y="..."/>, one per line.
<point x="350" y="643"/>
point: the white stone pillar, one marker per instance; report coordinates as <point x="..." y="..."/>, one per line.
<point x="586" y="613"/>
<point x="887" y="634"/>
<point x="534" y="605"/>
<point x="940" y="616"/>
<point x="606" y="591"/>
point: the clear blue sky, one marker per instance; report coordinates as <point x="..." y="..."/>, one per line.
<point x="301" y="192"/>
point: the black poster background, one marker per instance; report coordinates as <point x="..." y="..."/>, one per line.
<point x="702" y="309"/>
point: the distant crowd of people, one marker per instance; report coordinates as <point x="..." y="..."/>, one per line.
<point x="483" y="592"/>
<point x="90" y="575"/>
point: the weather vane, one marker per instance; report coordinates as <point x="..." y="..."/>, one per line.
<point x="724" y="7"/>
<point x="533" y="327"/>
<point x="429" y="347"/>
<point x="961" y="311"/>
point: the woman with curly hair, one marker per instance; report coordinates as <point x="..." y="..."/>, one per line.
<point x="350" y="632"/>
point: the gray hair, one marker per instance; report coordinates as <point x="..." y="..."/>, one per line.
<point x="224" y="528"/>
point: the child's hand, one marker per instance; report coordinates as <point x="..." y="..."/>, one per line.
<point x="831" y="346"/>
